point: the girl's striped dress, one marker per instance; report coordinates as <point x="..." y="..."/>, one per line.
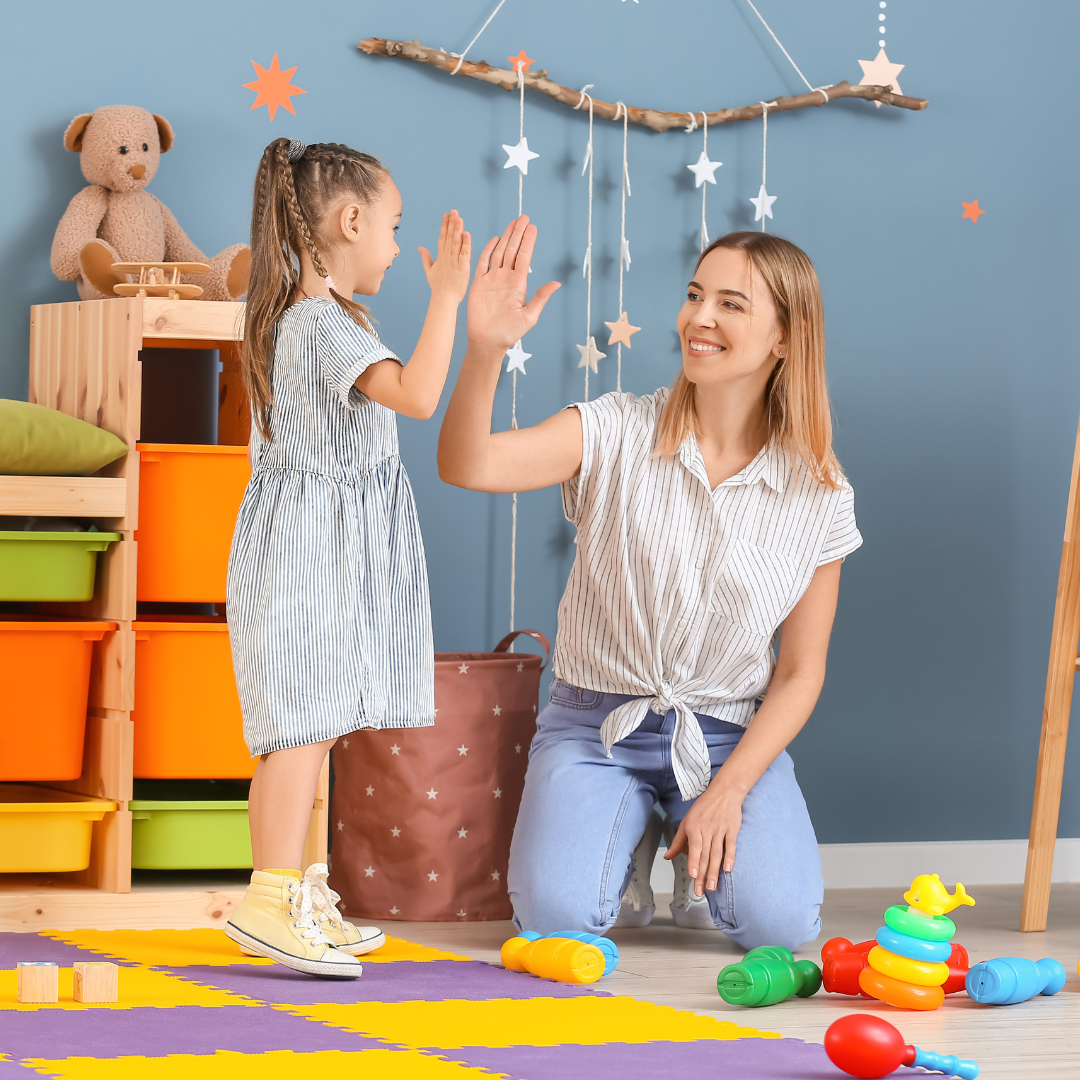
<point x="328" y="606"/>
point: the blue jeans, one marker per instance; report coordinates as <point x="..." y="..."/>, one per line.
<point x="582" y="814"/>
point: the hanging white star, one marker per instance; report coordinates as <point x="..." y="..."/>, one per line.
<point x="497" y="793"/>
<point x="704" y="169"/>
<point x="369" y="871"/>
<point x="461" y="671"/>
<point x="395" y="831"/>
<point x="431" y="793"/>
<point x="395" y="750"/>
<point x="395" y="910"/>
<point x="515" y="359"/>
<point x="432" y="876"/>
<point x="462" y="833"/>
<point x="370" y="790"/>
<point x="519" y="155"/>
<point x="763" y="203"/>
<point x="462" y="750"/>
<point x="880" y="71"/>
<point x="621" y="330"/>
<point x="497" y="710"/>
<point x="589" y="354"/>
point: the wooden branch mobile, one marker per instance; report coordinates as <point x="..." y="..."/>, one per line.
<point x="652" y="118"/>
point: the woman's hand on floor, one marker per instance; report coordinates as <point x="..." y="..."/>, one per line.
<point x="708" y="834"/>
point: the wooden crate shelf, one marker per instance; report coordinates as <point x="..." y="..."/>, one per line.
<point x="84" y="361"/>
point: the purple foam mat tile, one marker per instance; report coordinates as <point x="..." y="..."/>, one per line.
<point x="12" y="1070"/>
<point x="15" y="947"/>
<point x="183" y="1029"/>
<point x="402" y="980"/>
<point x="737" y="1059"/>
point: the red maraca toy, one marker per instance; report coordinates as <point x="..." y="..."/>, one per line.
<point x="864" y="1045"/>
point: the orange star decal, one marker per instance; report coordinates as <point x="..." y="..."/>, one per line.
<point x="971" y="210"/>
<point x="273" y="88"/>
<point x="521" y="60"/>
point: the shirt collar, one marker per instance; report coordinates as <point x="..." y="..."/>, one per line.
<point x="772" y="465"/>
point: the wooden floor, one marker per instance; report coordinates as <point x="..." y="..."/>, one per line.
<point x="670" y="966"/>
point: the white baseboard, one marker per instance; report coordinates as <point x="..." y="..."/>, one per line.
<point x="879" y="866"/>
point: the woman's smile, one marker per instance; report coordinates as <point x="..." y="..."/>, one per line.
<point x="701" y="346"/>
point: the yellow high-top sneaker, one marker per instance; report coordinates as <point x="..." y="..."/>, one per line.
<point x="356" y="940"/>
<point x="277" y="919"/>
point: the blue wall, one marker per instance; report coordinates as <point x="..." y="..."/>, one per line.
<point x="951" y="344"/>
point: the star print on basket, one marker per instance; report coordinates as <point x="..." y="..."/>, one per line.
<point x="433" y="842"/>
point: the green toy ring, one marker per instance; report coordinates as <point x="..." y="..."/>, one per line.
<point x="939" y="928"/>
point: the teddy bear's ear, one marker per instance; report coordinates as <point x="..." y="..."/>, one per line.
<point x="74" y="135"/>
<point x="165" y="135"/>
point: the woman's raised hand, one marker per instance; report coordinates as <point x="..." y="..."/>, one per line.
<point x="498" y="312"/>
<point x="448" y="274"/>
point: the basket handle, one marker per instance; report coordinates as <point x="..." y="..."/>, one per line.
<point x="510" y="638"/>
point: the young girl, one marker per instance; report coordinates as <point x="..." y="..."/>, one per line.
<point x="708" y="516"/>
<point x="328" y="594"/>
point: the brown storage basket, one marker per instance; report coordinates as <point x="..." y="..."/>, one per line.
<point x="422" y="817"/>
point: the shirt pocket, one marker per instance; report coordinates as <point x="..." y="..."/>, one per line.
<point x="754" y="587"/>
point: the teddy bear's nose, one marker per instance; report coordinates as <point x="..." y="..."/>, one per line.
<point x="137" y="171"/>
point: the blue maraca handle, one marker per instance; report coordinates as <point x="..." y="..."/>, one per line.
<point x="948" y="1064"/>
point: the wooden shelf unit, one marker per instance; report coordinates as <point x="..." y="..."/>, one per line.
<point x="84" y="361"/>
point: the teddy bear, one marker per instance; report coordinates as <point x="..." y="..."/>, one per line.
<point x="116" y="219"/>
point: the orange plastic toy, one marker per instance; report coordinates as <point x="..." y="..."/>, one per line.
<point x="561" y="959"/>
<point x="187" y="712"/>
<point x="842" y="962"/>
<point x="188" y="500"/>
<point x="44" y="681"/>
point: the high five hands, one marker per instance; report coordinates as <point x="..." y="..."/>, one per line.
<point x="498" y="312"/>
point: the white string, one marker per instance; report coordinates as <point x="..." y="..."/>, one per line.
<point x="521" y="130"/>
<point x="782" y="49"/>
<point x="704" y="187"/>
<point x="513" y="399"/>
<point x="622" y="246"/>
<point x="765" y="106"/>
<point x="692" y="126"/>
<point x="461" y="58"/>
<point x="586" y="268"/>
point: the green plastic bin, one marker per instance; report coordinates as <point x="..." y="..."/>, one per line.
<point x="189" y="835"/>
<point x="50" y="565"/>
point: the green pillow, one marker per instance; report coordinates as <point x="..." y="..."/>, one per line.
<point x="36" y="441"/>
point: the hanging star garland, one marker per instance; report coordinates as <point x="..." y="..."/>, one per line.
<point x="704" y="170"/>
<point x="620" y="331"/>
<point x="516" y="357"/>
<point x="520" y="62"/>
<point x="589" y="354"/>
<point x="880" y="71"/>
<point x="273" y="87"/>
<point x="763" y="204"/>
<point x="971" y="210"/>
<point x="519" y="155"/>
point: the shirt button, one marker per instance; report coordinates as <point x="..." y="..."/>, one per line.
<point x="700" y="563"/>
<point x="683" y="622"/>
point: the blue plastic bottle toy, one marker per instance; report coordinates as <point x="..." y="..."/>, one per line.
<point x="1011" y="979"/>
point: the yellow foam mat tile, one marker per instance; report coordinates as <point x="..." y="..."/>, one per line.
<point x="139" y="987"/>
<point x="274" y="1065"/>
<point x="584" y="1021"/>
<point x="161" y="948"/>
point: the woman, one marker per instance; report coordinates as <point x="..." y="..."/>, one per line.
<point x="708" y="517"/>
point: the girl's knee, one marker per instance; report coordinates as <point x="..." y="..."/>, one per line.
<point x="789" y="925"/>
<point x="547" y="910"/>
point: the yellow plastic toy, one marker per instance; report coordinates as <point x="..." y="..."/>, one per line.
<point x="561" y="959"/>
<point x="905" y="969"/>
<point x="930" y="897"/>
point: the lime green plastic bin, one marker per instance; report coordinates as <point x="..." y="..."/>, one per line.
<point x="183" y="835"/>
<point x="50" y="565"/>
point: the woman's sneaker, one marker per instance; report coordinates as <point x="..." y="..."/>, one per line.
<point x="276" y="919"/>
<point x="687" y="908"/>
<point x="638" y="907"/>
<point x="355" y="940"/>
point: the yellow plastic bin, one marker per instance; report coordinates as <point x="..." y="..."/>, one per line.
<point x="189" y="496"/>
<point x="46" y="831"/>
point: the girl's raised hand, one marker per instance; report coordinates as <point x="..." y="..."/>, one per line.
<point x="498" y="312"/>
<point x="448" y="274"/>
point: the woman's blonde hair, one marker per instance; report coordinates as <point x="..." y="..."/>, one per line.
<point x="797" y="396"/>
<point x="290" y="204"/>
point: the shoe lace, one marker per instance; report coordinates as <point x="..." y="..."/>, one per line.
<point x="302" y="908"/>
<point x="323" y="898"/>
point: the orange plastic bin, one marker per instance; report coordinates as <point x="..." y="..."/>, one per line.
<point x="188" y="500"/>
<point x="44" y="683"/>
<point x="187" y="713"/>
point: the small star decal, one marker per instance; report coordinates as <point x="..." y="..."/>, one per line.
<point x="431" y="793"/>
<point x="497" y="793"/>
<point x="463" y="669"/>
<point x="395" y="910"/>
<point x="516" y="357"/>
<point x="462" y="750"/>
<point x="340" y="826"/>
<point x="534" y="708"/>
<point x="345" y="743"/>
<point x="494" y="875"/>
<point x="497" y="710"/>
<point x="432" y="876"/>
<point x="517" y="749"/>
<point x="521" y="666"/>
<point x="462" y="913"/>
<point x="273" y="87"/>
<point x="519" y="155"/>
<point x="589" y="354"/>
<point x="395" y="750"/>
<point x="370" y="790"/>
<point x="704" y="170"/>
<point x="520" y="62"/>
<point x="462" y="833"/>
<point x="763" y="203"/>
<point x="621" y="330"/>
<point x="369" y="871"/>
<point x="395" y="831"/>
<point x="971" y="210"/>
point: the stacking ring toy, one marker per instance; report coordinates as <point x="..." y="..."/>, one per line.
<point x="911" y="971"/>
<point x="902" y="995"/>
<point x="929" y="952"/>
<point x="939" y="928"/>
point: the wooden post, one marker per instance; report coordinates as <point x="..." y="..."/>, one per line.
<point x="1055" y="721"/>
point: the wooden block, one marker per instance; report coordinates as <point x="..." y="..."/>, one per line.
<point x="96" y="983"/>
<point x="37" y="982"/>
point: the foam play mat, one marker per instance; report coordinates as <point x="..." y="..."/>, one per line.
<point x="190" y="1005"/>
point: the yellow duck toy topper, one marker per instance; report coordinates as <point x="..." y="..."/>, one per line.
<point x="928" y="896"/>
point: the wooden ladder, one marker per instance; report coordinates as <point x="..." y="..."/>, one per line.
<point x="1055" y="721"/>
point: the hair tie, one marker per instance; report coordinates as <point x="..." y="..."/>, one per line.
<point x="296" y="150"/>
<point x="330" y="283"/>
